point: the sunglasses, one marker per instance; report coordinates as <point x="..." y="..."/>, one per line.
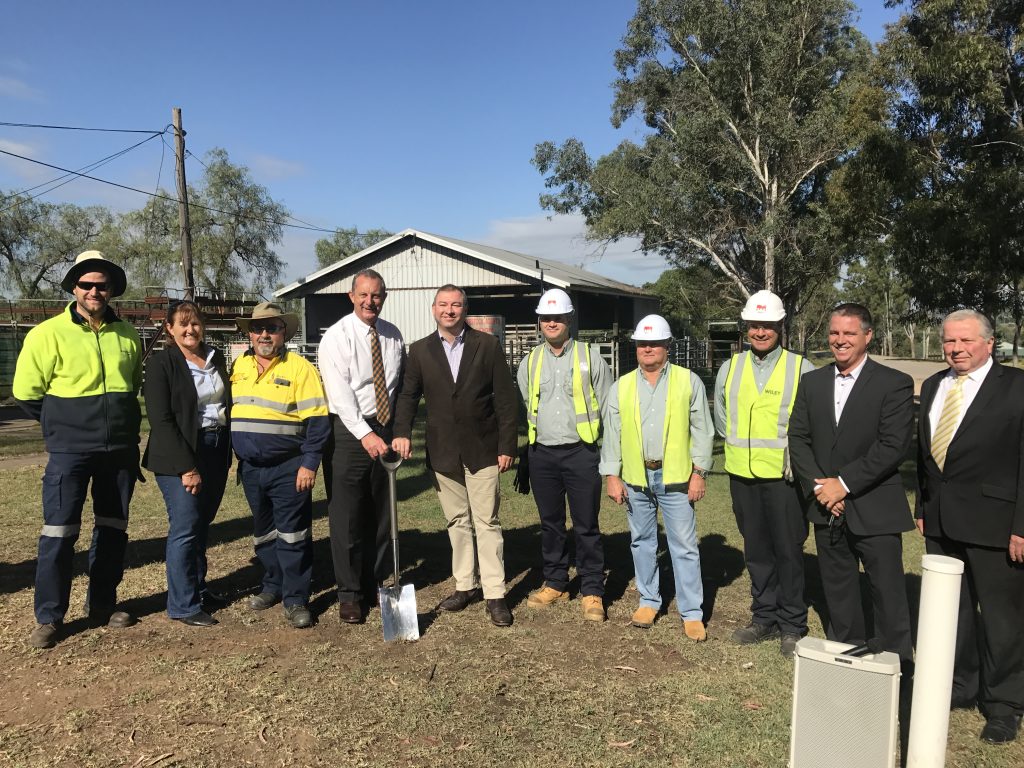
<point x="554" y="319"/>
<point x="86" y="286"/>
<point x="268" y="327"/>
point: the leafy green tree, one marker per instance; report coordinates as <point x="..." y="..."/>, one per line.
<point x="749" y="110"/>
<point x="39" y="241"/>
<point x="941" y="180"/>
<point x="345" y="242"/>
<point x="875" y="281"/>
<point x="693" y="296"/>
<point x="235" y="224"/>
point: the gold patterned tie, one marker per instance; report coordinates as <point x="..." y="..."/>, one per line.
<point x="947" y="421"/>
<point x="380" y="384"/>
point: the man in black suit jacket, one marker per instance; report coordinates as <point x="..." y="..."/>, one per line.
<point x="851" y="428"/>
<point x="971" y="506"/>
<point x="471" y="438"/>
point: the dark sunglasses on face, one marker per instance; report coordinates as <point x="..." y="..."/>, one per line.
<point x="268" y="327"/>
<point x="86" y="286"/>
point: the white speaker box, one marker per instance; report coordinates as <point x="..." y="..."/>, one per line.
<point x="845" y="708"/>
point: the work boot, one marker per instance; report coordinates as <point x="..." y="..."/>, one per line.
<point x="263" y="600"/>
<point x="695" y="630"/>
<point x="45" y="635"/>
<point x="755" y="633"/>
<point x="546" y="596"/>
<point x="593" y="608"/>
<point x="644" y="617"/>
<point x="298" y="616"/>
<point x="787" y="645"/>
<point x="104" y="616"/>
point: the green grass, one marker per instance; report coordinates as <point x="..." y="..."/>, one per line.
<point x="551" y="690"/>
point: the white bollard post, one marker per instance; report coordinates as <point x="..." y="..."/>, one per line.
<point x="936" y="647"/>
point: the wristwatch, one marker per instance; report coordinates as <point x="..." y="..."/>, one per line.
<point x="701" y="473"/>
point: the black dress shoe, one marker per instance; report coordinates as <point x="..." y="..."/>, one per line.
<point x="212" y="601"/>
<point x="198" y="619"/>
<point x="459" y="599"/>
<point x="1001" y="729"/>
<point x="350" y="613"/>
<point x="498" y="610"/>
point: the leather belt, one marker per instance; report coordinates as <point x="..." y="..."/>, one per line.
<point x="653" y="464"/>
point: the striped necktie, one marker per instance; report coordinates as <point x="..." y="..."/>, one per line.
<point x="947" y="421"/>
<point x="380" y="384"/>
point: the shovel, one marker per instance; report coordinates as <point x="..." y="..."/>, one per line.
<point x="397" y="602"/>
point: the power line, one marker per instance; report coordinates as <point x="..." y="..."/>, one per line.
<point x="166" y="197"/>
<point x="78" y="128"/>
<point x="70" y="176"/>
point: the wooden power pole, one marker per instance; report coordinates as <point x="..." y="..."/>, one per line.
<point x="186" y="231"/>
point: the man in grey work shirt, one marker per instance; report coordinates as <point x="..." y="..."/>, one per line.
<point x="657" y="453"/>
<point x="754" y="395"/>
<point x="564" y="385"/>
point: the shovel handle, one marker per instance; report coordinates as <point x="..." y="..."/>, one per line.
<point x="392" y="469"/>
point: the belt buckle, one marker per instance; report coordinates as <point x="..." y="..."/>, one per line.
<point x="650" y="464"/>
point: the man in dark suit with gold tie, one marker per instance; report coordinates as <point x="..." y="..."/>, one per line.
<point x="971" y="506"/>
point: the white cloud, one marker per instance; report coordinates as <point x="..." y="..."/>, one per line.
<point x="22" y="171"/>
<point x="270" y="167"/>
<point x="14" y="88"/>
<point x="563" y="238"/>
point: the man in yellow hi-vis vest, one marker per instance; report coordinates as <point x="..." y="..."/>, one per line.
<point x="754" y="395"/>
<point x="657" y="453"/>
<point x="564" y="384"/>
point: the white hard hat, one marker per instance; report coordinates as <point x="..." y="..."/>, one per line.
<point x="652" y="328"/>
<point x="554" y="301"/>
<point x="763" y="306"/>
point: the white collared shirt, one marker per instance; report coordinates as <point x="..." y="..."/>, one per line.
<point x="346" y="366"/>
<point x="971" y="385"/>
<point x="844" y="385"/>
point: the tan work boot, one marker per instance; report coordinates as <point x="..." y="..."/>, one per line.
<point x="546" y="596"/>
<point x="593" y="608"/>
<point x="695" y="631"/>
<point x="644" y="617"/>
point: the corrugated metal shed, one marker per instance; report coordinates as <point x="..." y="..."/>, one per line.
<point x="499" y="282"/>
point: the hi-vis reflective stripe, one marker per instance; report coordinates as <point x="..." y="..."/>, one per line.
<point x="61" y="531"/>
<point x="112" y="522"/>
<point x="291" y="538"/>
<point x="534" y="406"/>
<point x="780" y="442"/>
<point x="257" y="540"/>
<point x="588" y="386"/>
<point x="301" y="405"/>
<point x="268" y="427"/>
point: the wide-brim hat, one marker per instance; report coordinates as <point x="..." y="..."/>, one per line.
<point x="94" y="261"/>
<point x="268" y="310"/>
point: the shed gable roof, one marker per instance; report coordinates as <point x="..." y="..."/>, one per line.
<point x="555" y="273"/>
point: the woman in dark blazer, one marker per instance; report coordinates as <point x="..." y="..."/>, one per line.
<point x="187" y="402"/>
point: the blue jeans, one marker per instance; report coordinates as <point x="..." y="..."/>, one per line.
<point x="681" y="532"/>
<point x="189" y="519"/>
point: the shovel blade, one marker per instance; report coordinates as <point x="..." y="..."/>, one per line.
<point x="398" y="612"/>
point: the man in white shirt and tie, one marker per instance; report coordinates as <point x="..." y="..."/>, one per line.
<point x="361" y="359"/>
<point x="971" y="506"/>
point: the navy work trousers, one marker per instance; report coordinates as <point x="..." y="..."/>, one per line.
<point x="66" y="482"/>
<point x="282" y="528"/>
<point x="557" y="473"/>
<point x="770" y="516"/>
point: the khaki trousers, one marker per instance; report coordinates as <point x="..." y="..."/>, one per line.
<point x="470" y="501"/>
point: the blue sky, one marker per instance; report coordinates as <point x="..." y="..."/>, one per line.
<point x="395" y="114"/>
